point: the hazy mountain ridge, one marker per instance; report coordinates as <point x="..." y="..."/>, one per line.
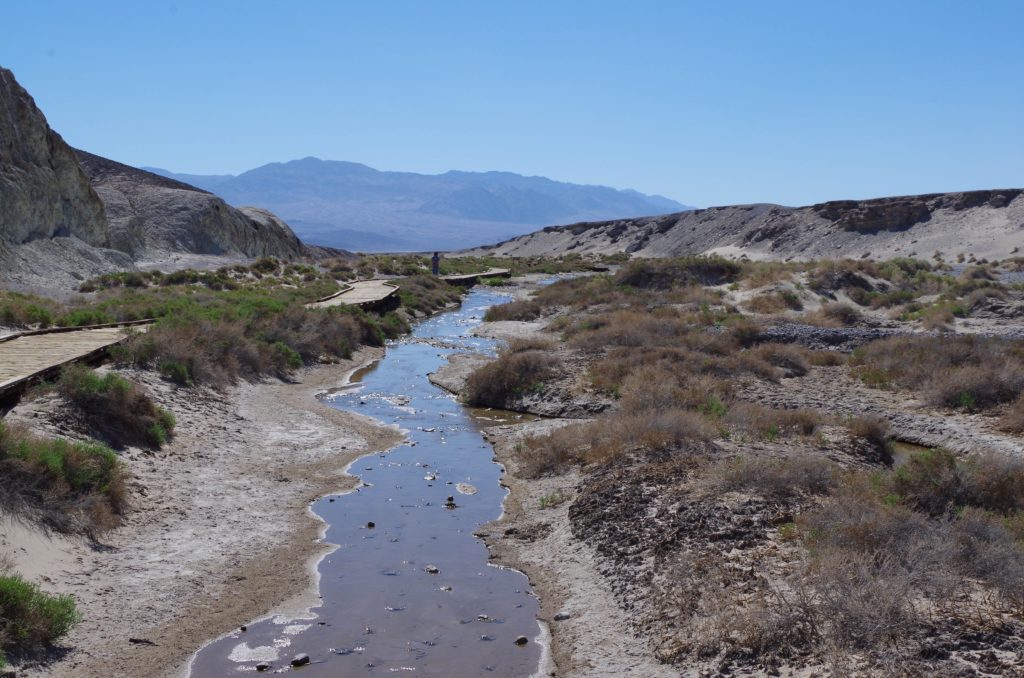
<point x="352" y="205"/>
<point x="987" y="223"/>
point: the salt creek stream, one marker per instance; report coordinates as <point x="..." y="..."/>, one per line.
<point x="413" y="594"/>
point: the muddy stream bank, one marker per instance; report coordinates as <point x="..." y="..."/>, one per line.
<point x="408" y="587"/>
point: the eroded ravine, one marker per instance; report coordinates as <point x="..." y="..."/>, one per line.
<point x="413" y="593"/>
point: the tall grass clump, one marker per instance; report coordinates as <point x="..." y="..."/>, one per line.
<point x="118" y="411"/>
<point x="29" y="618"/>
<point x="70" y="486"/>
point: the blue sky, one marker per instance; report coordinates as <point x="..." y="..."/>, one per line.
<point x="709" y="103"/>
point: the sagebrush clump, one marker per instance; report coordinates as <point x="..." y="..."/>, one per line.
<point x="117" y="411"/>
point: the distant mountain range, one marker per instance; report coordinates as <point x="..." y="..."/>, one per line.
<point x="349" y="205"/>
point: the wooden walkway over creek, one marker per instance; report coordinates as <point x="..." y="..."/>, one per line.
<point x="29" y="357"/>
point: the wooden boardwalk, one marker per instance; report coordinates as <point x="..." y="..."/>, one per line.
<point x="471" y="278"/>
<point x="363" y="293"/>
<point x="31" y="356"/>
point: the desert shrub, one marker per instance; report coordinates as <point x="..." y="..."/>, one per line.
<point x="23" y="310"/>
<point x="761" y="273"/>
<point x="982" y="296"/>
<point x="887" y="555"/>
<point x="658" y="386"/>
<point x="936" y="317"/>
<point x="647" y="432"/>
<point x="872" y="429"/>
<point x="667" y="273"/>
<point x="194" y="348"/>
<point x="627" y="327"/>
<point x="765" y="303"/>
<point x="937" y="482"/>
<point x="612" y="437"/>
<point x="774" y="302"/>
<point x="553" y="452"/>
<point x="759" y="421"/>
<point x="786" y="356"/>
<point x="790" y="476"/>
<point x="266" y="265"/>
<point x="1013" y="418"/>
<point x="525" y="309"/>
<point x="30" y="618"/>
<point x="745" y="331"/>
<point x="840" y="313"/>
<point x="70" y="486"/>
<point x="931" y="481"/>
<point x="825" y="358"/>
<point x="509" y="377"/>
<point x="118" y="411"/>
<point x="970" y="372"/>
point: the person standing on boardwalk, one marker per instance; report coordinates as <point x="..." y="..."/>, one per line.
<point x="435" y="264"/>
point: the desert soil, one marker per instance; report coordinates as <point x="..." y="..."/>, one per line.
<point x="219" y="532"/>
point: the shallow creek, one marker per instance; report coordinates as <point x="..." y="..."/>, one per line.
<point x="414" y="593"/>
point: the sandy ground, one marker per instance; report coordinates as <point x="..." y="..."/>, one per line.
<point x="219" y="533"/>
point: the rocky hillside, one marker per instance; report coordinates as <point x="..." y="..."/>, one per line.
<point x="346" y="204"/>
<point x="986" y="224"/>
<point x="152" y="217"/>
<point x="52" y="225"/>
<point x="68" y="215"/>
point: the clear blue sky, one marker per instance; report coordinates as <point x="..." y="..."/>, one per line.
<point x="709" y="103"/>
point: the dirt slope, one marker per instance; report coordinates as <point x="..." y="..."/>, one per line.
<point x="988" y="224"/>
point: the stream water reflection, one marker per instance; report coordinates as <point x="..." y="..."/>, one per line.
<point x="414" y="593"/>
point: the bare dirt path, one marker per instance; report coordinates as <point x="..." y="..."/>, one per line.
<point x="219" y="533"/>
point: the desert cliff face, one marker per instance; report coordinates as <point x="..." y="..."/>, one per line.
<point x="43" y="190"/>
<point x="983" y="223"/>
<point x="152" y="216"/>
<point x="69" y="215"/>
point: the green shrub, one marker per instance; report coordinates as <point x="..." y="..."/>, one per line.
<point x="175" y="372"/>
<point x="118" y="411"/>
<point x="30" y="618"/>
<point x="71" y="486"/>
<point x="288" y="355"/>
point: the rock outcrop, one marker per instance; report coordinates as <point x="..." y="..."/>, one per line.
<point x="152" y="217"/>
<point x="982" y="223"/>
<point x="68" y="215"/>
<point x="43" y="191"/>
